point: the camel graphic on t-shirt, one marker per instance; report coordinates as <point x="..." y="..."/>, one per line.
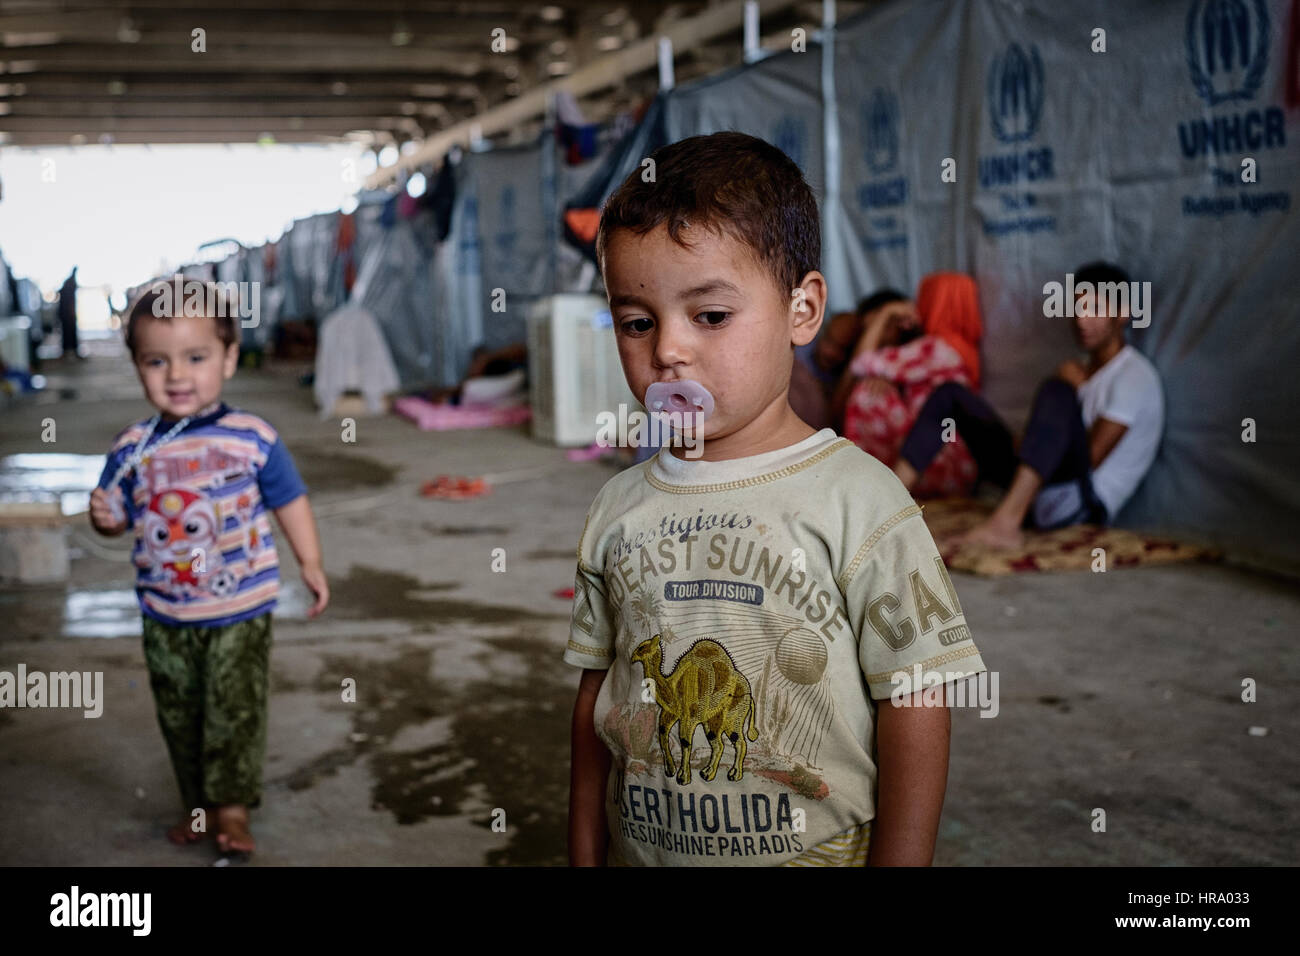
<point x="705" y="687"/>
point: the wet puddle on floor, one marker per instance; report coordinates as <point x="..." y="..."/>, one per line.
<point x="373" y="594"/>
<point x="326" y="472"/>
<point x="101" y="614"/>
<point x="47" y="477"/>
<point x="40" y="613"/>
<point x="506" y="745"/>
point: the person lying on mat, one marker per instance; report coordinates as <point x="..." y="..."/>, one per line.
<point x="485" y="363"/>
<point x="1092" y="432"/>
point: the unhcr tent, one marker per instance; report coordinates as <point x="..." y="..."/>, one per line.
<point x="1018" y="141"/>
<point x="1077" y="134"/>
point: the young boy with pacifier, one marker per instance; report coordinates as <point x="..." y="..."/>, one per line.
<point x="759" y="628"/>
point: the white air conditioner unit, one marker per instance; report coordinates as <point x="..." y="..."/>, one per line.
<point x="573" y="368"/>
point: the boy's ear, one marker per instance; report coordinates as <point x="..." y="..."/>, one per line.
<point x="230" y="361"/>
<point x="808" y="305"/>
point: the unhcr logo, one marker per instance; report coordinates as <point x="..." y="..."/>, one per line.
<point x="1227" y="53"/>
<point x="1227" y="48"/>
<point x="1015" y="93"/>
<point x="880" y="149"/>
<point x="880" y="131"/>
<point x="1015" y="103"/>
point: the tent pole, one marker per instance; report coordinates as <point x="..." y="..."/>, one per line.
<point x="752" y="48"/>
<point x="667" y="78"/>
<point x="833" y="265"/>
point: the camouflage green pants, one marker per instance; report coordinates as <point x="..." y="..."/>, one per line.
<point x="210" y="687"/>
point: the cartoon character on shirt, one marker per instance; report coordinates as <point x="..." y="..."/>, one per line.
<point x="180" y="540"/>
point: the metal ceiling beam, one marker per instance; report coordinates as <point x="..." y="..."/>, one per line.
<point x="207" y="107"/>
<point x="428" y="86"/>
<point x="610" y="70"/>
<point x="225" y="58"/>
<point x="214" y="136"/>
<point x="91" y="127"/>
<point x="341" y="25"/>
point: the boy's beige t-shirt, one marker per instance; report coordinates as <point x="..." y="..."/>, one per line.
<point x="757" y="608"/>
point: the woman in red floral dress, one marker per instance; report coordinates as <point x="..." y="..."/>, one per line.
<point x="903" y="355"/>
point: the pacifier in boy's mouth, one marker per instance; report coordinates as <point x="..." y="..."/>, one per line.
<point x="685" y="397"/>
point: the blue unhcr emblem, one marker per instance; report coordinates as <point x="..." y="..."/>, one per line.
<point x="1227" y="48"/>
<point x="1015" y="93"/>
<point x="880" y="131"/>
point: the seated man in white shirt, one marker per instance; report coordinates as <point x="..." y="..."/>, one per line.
<point x="1092" y="433"/>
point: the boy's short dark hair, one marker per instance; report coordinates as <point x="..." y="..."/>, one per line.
<point x="877" y="299"/>
<point x="733" y="183"/>
<point x="1098" y="272"/>
<point x="144" y="308"/>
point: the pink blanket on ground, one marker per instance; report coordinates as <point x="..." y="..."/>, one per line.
<point x="430" y="417"/>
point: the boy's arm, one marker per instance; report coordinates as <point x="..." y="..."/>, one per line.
<point x="300" y="528"/>
<point x="912" y="634"/>
<point x="912" y="761"/>
<point x="102" y="518"/>
<point x="588" y="828"/>
<point x="1103" y="438"/>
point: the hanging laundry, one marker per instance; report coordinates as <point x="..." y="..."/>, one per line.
<point x="582" y="212"/>
<point x="574" y="133"/>
<point x="440" y="197"/>
<point x="344" y="246"/>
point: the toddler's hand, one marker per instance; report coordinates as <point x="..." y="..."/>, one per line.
<point x="313" y="575"/>
<point x="106" y="513"/>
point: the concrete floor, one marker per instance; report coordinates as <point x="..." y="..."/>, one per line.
<point x="1119" y="691"/>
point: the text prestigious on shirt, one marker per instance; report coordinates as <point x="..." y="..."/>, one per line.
<point x="681" y="528"/>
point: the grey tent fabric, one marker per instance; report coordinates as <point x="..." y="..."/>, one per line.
<point x="572" y="272"/>
<point x="431" y="298"/>
<point x="325" y="296"/>
<point x="515" y="258"/>
<point x="292" y="305"/>
<point x="396" y="282"/>
<point x="459" y="267"/>
<point x="777" y="99"/>
<point x="306" y="259"/>
<point x="1065" y="155"/>
<point x="505" y="235"/>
